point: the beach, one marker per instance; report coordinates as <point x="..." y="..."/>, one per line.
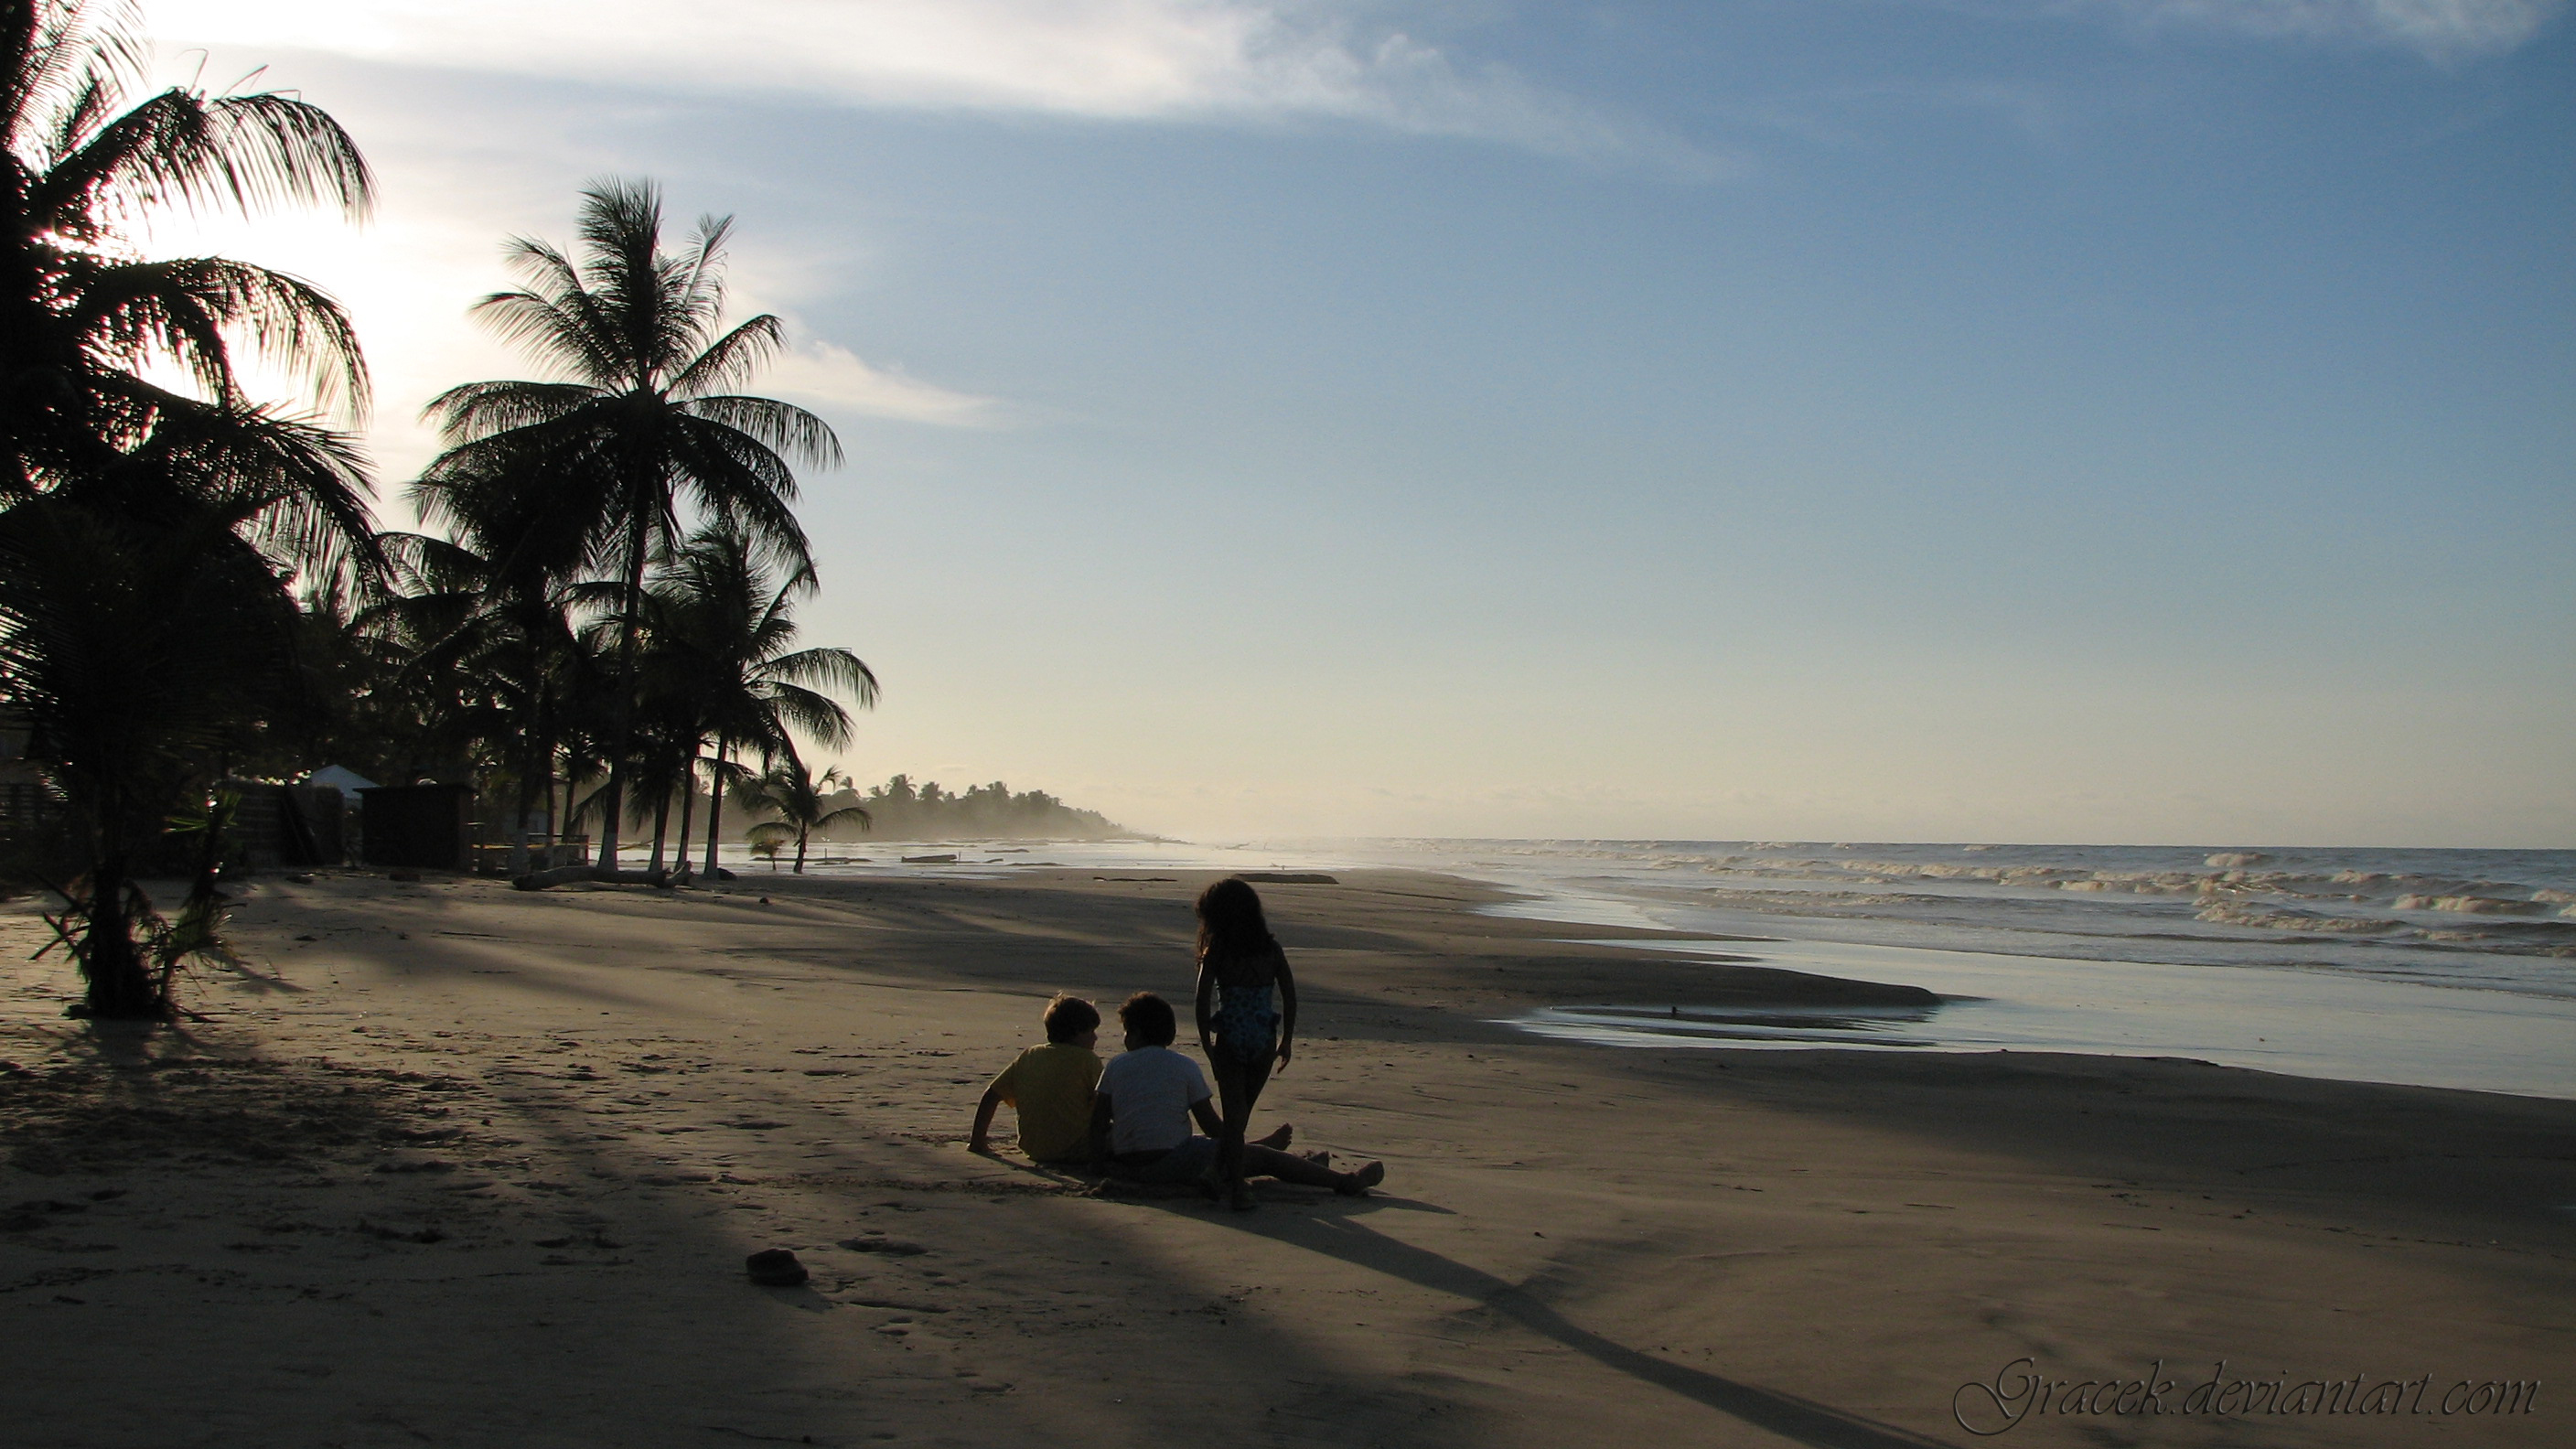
<point x="444" y="1162"/>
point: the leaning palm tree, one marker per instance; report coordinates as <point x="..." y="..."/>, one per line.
<point x="796" y="795"/>
<point x="640" y="421"/>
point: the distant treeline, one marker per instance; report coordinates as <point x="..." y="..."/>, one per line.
<point x="902" y="810"/>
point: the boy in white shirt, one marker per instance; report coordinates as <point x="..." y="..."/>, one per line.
<point x="1149" y="1095"/>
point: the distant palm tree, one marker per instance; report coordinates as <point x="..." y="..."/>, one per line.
<point x="642" y="421"/>
<point x="723" y="635"/>
<point x="796" y="795"/>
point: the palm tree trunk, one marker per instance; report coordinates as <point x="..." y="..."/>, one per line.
<point x="800" y="850"/>
<point x="614" y="793"/>
<point x="661" y="828"/>
<point x="715" y="810"/>
<point x="119" y="988"/>
<point x="688" y="807"/>
<point x="528" y="784"/>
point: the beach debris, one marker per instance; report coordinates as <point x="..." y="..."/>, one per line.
<point x="1286" y="877"/>
<point x="775" y="1268"/>
<point x="891" y="1247"/>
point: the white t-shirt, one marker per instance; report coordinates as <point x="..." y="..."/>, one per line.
<point x="1150" y="1091"/>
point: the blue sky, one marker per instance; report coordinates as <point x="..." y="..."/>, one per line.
<point x="2137" y="420"/>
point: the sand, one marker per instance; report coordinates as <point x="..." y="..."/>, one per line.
<point x="446" y="1163"/>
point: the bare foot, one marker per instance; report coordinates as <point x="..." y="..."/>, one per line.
<point x="1358" y="1181"/>
<point x="1277" y="1140"/>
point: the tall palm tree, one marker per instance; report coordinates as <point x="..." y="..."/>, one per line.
<point x="640" y="421"/>
<point x="796" y="794"/>
<point x="146" y="531"/>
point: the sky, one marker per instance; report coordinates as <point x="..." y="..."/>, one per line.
<point x="2125" y="421"/>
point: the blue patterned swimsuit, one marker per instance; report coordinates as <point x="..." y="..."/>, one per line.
<point x="1247" y="1025"/>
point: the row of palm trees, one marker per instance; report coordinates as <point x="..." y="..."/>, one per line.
<point x="190" y="578"/>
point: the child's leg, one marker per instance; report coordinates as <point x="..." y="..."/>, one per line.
<point x="1260" y="1161"/>
<point x="1238" y="1083"/>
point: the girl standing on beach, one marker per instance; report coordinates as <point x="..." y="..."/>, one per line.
<point x="1239" y="1028"/>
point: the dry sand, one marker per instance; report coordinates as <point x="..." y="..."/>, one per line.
<point x="450" y="1164"/>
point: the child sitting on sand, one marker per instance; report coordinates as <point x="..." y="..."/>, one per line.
<point x="1050" y="1087"/>
<point x="1150" y="1093"/>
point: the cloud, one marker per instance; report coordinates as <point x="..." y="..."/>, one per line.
<point x="2438" y="29"/>
<point x="823" y="375"/>
<point x="1098" y="59"/>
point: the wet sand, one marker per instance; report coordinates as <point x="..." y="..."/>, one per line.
<point x="451" y="1164"/>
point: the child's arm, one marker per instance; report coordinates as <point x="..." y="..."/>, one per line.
<point x="1287" y="1010"/>
<point x="979" y="1140"/>
<point x="1207" y="1024"/>
<point x="1204" y="1110"/>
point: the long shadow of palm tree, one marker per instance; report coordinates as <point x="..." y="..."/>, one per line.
<point x="1798" y="1419"/>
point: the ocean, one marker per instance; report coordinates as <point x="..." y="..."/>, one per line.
<point x="2448" y="968"/>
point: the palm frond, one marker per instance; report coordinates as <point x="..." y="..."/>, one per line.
<point x="731" y="359"/>
<point x="477" y="410"/>
<point x="778" y="426"/>
<point x="61" y="62"/>
<point x="187" y="308"/>
<point x="178" y="149"/>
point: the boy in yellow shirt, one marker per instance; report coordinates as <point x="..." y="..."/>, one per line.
<point x="1050" y="1086"/>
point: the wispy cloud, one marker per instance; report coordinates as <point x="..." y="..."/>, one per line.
<point x="834" y="378"/>
<point x="2440" y="29"/>
<point x="1100" y="59"/>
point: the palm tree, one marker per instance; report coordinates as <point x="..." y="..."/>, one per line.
<point x="504" y="591"/>
<point x="796" y="794"/>
<point x="494" y="665"/>
<point x="137" y="653"/>
<point x="145" y="625"/>
<point x="724" y="635"/>
<point x="640" y="421"/>
<point x="82" y="313"/>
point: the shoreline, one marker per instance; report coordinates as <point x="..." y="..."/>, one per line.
<point x="598" y="1100"/>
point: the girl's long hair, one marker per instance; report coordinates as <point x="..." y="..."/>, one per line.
<point x="1231" y="923"/>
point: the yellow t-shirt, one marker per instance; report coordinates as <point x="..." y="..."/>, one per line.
<point x="1051" y="1087"/>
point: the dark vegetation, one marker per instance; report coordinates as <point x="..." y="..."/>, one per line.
<point x="598" y="620"/>
<point x="903" y="811"/>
